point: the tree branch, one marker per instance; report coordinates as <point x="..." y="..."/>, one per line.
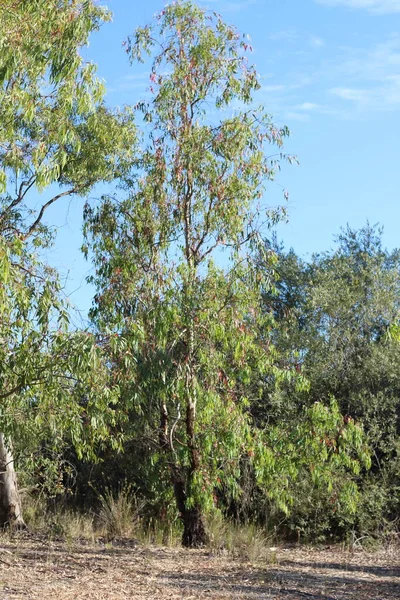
<point x="45" y="207"/>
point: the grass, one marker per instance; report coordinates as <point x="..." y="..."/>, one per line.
<point x="120" y="516"/>
<point x="120" y="513"/>
<point x="67" y="524"/>
<point x="247" y="543"/>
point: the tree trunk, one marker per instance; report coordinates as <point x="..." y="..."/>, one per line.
<point x="10" y="503"/>
<point x="194" y="531"/>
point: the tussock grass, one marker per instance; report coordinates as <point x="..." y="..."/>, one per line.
<point x="247" y="543"/>
<point x="120" y="513"/>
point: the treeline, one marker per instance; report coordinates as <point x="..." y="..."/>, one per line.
<point x="219" y="374"/>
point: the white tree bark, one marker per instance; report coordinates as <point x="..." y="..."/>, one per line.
<point x="10" y="502"/>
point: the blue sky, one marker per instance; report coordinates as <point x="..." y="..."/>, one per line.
<point x="330" y="70"/>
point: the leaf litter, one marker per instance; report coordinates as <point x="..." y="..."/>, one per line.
<point x="32" y="567"/>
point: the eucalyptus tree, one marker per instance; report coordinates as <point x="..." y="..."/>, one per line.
<point x="57" y="138"/>
<point x="178" y="291"/>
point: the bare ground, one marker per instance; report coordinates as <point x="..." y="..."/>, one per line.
<point x="31" y="567"/>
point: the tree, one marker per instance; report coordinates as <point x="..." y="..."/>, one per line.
<point x="178" y="291"/>
<point x="337" y="319"/>
<point x="57" y="136"/>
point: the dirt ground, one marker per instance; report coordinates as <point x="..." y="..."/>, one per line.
<point x="31" y="568"/>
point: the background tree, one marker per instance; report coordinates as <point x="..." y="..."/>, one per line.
<point x="178" y="290"/>
<point x="337" y="319"/>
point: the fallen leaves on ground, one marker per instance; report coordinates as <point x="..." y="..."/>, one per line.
<point x="32" y="567"/>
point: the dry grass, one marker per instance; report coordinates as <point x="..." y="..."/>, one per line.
<point x="34" y="567"/>
<point x="247" y="543"/>
<point x="120" y="513"/>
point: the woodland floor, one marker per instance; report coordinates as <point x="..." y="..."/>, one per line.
<point x="32" y="567"/>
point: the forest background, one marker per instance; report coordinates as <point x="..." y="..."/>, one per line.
<point x="220" y="375"/>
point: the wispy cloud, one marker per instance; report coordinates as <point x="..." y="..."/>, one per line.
<point x="291" y="35"/>
<point x="307" y="106"/>
<point x="292" y="115"/>
<point x="382" y="98"/>
<point x="370" y="78"/>
<point x="305" y="111"/>
<point x="349" y="82"/>
<point x="288" y="101"/>
<point x="274" y="88"/>
<point x="373" y="6"/>
<point x="285" y="35"/>
<point x="356" y="80"/>
<point x="236" y="6"/>
<point x="360" y="96"/>
<point x="316" y="42"/>
<point x="130" y="82"/>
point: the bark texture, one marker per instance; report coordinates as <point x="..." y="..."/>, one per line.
<point x="194" y="531"/>
<point x="10" y="502"/>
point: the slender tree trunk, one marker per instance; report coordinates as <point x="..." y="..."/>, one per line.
<point x="10" y="503"/>
<point x="194" y="531"/>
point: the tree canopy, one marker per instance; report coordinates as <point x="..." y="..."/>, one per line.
<point x="179" y="291"/>
<point x="58" y="138"/>
<point x="239" y="378"/>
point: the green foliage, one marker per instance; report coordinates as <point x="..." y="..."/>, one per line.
<point x="54" y="126"/>
<point x="183" y="331"/>
<point x="337" y="321"/>
<point x="231" y="385"/>
<point x="179" y="294"/>
<point x="57" y="137"/>
<point x="52" y="380"/>
<point x="44" y="80"/>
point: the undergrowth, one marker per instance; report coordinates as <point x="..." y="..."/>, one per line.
<point x="122" y="514"/>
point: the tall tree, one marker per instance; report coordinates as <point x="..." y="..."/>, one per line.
<point x="178" y="292"/>
<point x="58" y="138"/>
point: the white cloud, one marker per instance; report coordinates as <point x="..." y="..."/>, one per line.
<point x="370" y="78"/>
<point x="373" y="6"/>
<point x="285" y="35"/>
<point x="356" y="95"/>
<point x="273" y="88"/>
<point x="292" y="115"/>
<point x="385" y="97"/>
<point x="307" y="106"/>
<point x="375" y="64"/>
<point x="356" y="80"/>
<point x="316" y="42"/>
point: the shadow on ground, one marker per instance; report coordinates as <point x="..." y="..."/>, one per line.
<point x="36" y="568"/>
<point x="296" y="580"/>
